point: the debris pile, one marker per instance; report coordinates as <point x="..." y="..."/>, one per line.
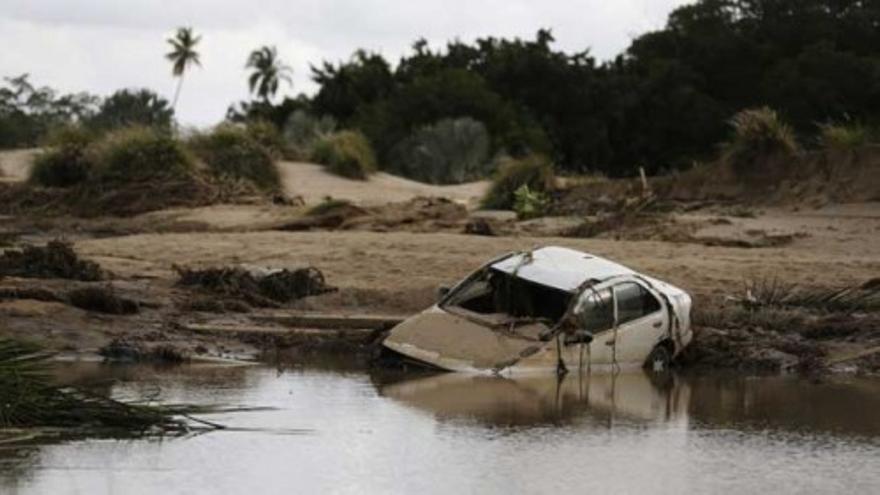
<point x="422" y="214"/>
<point x="262" y="288"/>
<point x="56" y="260"/>
<point x="102" y="300"/>
<point x="123" y="350"/>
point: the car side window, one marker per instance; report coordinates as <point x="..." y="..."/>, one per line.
<point x="634" y="302"/>
<point x="596" y="310"/>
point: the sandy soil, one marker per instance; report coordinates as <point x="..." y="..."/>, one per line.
<point x="16" y="165"/>
<point x="314" y="184"/>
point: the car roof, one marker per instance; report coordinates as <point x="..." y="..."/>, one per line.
<point x="561" y="268"/>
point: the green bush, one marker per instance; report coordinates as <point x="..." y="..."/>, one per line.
<point x="534" y="171"/>
<point x="140" y="153"/>
<point x="843" y="136"/>
<point x="302" y="131"/>
<point x="232" y="152"/>
<point x="758" y="133"/>
<point x="346" y="153"/>
<point x="65" y="162"/>
<point x="529" y="204"/>
<point x="266" y="134"/>
<point x="451" y="151"/>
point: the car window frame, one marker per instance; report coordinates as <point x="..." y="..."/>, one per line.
<point x="616" y="287"/>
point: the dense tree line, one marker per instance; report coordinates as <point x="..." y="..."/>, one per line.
<point x="664" y="102"/>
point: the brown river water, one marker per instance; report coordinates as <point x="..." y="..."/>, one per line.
<point x="324" y="429"/>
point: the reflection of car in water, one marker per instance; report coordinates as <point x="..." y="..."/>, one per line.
<point x="549" y="309"/>
<point x="539" y="398"/>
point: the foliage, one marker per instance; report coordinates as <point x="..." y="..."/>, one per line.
<point x="758" y="133"/>
<point x="140" y="153"/>
<point x="346" y="153"/>
<point x="534" y="171"/>
<point x="28" y="112"/>
<point x="529" y="204"/>
<point x="843" y="136"/>
<point x="450" y="151"/>
<point x="268" y="71"/>
<point x="302" y="131"/>
<point x="230" y="151"/>
<point x="267" y="135"/>
<point x="65" y="161"/>
<point x="132" y="107"/>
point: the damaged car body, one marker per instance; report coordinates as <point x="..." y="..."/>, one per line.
<point x="549" y="309"/>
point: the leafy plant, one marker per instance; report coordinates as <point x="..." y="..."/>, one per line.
<point x="450" y="151"/>
<point x="529" y="204"/>
<point x="758" y="133"/>
<point x="132" y="107"/>
<point x="230" y="151"/>
<point x="346" y="153"/>
<point x="267" y="135"/>
<point x="534" y="171"/>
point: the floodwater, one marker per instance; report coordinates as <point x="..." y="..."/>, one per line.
<point x="327" y="430"/>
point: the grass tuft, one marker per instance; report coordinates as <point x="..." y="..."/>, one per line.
<point x="534" y="171"/>
<point x="346" y="153"/>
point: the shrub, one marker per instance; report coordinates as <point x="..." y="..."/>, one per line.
<point x="130" y="107"/>
<point x="529" y="204"/>
<point x="302" y="131"/>
<point x="451" y="151"/>
<point x="140" y="153"/>
<point x="65" y="162"/>
<point x="346" y="153"/>
<point x="758" y="133"/>
<point x="843" y="136"/>
<point x="534" y="171"/>
<point x="267" y="135"/>
<point x="231" y="152"/>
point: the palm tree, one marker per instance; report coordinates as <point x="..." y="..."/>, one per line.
<point x="268" y="72"/>
<point x="182" y="55"/>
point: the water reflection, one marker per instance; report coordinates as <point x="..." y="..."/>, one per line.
<point x="394" y="433"/>
<point x="540" y="399"/>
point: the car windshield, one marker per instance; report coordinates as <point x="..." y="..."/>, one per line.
<point x="493" y="292"/>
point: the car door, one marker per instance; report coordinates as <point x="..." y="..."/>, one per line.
<point x="641" y="321"/>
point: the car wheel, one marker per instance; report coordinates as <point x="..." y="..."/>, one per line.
<point x="659" y="359"/>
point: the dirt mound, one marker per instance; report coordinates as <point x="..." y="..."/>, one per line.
<point x="268" y="288"/>
<point x="55" y="260"/>
<point x="422" y="214"/>
<point x="124" y="199"/>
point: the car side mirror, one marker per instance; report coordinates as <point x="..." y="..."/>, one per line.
<point x="442" y="292"/>
<point x="579" y="337"/>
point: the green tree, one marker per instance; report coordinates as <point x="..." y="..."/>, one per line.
<point x="268" y="71"/>
<point x="133" y="107"/>
<point x="183" y="54"/>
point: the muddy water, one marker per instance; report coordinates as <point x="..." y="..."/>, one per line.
<point x="327" y="430"/>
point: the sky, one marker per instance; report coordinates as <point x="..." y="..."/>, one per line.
<point x="100" y="46"/>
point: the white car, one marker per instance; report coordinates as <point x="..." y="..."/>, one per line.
<point x="550" y="309"/>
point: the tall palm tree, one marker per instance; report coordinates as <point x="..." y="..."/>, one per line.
<point x="182" y="55"/>
<point x="268" y="72"/>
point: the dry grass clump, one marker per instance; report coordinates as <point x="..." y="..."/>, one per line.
<point x="758" y="133"/>
<point x="137" y="154"/>
<point x="55" y="260"/>
<point x="263" y="290"/>
<point x="232" y="152"/>
<point x="844" y="136"/>
<point x="774" y="293"/>
<point x="346" y="153"/>
<point x="65" y="161"/>
<point x="534" y="171"/>
<point x="267" y="135"/>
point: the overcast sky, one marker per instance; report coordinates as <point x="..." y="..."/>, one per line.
<point x="102" y="45"/>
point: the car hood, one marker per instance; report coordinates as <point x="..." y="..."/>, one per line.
<point x="458" y="343"/>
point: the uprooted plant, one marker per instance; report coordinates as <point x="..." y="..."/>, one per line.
<point x="773" y="292"/>
<point x="263" y="289"/>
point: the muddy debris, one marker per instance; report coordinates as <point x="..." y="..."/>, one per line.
<point x="214" y="305"/>
<point x="122" y="350"/>
<point x="258" y="287"/>
<point x="102" y="300"/>
<point x="422" y="214"/>
<point x="33" y="293"/>
<point x="55" y="260"/>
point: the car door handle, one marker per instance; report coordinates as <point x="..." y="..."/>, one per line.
<point x="658" y="324"/>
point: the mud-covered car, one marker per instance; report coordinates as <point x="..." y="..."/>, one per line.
<point x="550" y="309"/>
